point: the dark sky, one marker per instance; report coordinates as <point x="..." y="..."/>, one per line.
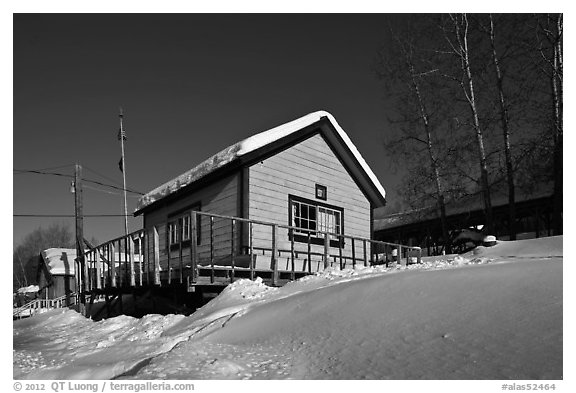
<point x="190" y="85"/>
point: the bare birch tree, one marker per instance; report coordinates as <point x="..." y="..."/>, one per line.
<point x="410" y="80"/>
<point x="457" y="37"/>
<point x="549" y="37"/>
<point x="505" y="121"/>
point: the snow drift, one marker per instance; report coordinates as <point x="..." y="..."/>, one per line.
<point x="495" y="313"/>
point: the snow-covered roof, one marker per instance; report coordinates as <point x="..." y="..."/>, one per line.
<point x="59" y="261"/>
<point x="249" y="145"/>
<point x="29" y="289"/>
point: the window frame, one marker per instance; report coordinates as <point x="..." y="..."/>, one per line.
<point x="176" y="220"/>
<point x="322" y="190"/>
<point x="302" y="237"/>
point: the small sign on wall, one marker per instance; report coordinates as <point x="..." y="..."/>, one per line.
<point x="321" y="192"/>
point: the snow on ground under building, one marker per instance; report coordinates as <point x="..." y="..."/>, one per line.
<point x="494" y="313"/>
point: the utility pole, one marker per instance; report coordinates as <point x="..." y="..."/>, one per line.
<point x="78" y="212"/>
<point x="122" y="137"/>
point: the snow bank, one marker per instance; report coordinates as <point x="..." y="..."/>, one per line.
<point x="249" y="145"/>
<point x="530" y="248"/>
<point x="464" y="317"/>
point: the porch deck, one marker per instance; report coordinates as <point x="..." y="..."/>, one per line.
<point x="134" y="261"/>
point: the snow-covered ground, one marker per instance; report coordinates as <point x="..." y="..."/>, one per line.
<point x="494" y="313"/>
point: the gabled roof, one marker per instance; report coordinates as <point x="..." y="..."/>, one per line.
<point x="258" y="144"/>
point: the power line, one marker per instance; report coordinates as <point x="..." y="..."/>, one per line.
<point x="101" y="175"/>
<point x="85" y="186"/>
<point x="39" y="172"/>
<point x="56" y="167"/>
<point x="71" y="215"/>
<point x="20" y="171"/>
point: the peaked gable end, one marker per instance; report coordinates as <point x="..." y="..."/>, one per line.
<point x="265" y="144"/>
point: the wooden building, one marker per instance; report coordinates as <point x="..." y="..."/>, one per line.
<point x="306" y="174"/>
<point x="56" y="273"/>
<point x="423" y="228"/>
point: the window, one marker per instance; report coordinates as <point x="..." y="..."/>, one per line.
<point x="180" y="230"/>
<point x="329" y="220"/>
<point x="185" y="223"/>
<point x="313" y="216"/>
<point x="173" y="232"/>
<point x="321" y="192"/>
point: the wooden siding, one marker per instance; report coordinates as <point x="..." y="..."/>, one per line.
<point x="220" y="197"/>
<point x="296" y="171"/>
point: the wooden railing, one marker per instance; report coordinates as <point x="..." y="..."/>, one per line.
<point x="231" y="245"/>
<point x="34" y="306"/>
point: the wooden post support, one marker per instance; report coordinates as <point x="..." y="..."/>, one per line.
<point x="274" y="261"/>
<point x="194" y="247"/>
<point x="130" y="242"/>
<point x="326" y="249"/>
<point x="156" y="257"/>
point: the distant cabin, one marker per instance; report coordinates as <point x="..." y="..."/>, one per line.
<point x="56" y="273"/>
<point x="306" y="174"/>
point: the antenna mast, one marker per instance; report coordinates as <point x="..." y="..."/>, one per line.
<point x="122" y="137"/>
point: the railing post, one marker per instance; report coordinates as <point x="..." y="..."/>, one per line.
<point x="130" y="242"/>
<point x="140" y="257"/>
<point x="365" y="253"/>
<point x="156" y="257"/>
<point x="353" y="254"/>
<point x="399" y="257"/>
<point x="211" y="249"/>
<point x="292" y="274"/>
<point x="120" y="273"/>
<point x="98" y="270"/>
<point x="340" y="242"/>
<point x="251" y="245"/>
<point x="180" y="259"/>
<point x="309" y="254"/>
<point x="274" y="256"/>
<point x="326" y="249"/>
<point x="112" y="265"/>
<point x="232" y="251"/>
<point x="194" y="247"/>
<point x="147" y="246"/>
<point x="419" y="255"/>
<point x="87" y="275"/>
